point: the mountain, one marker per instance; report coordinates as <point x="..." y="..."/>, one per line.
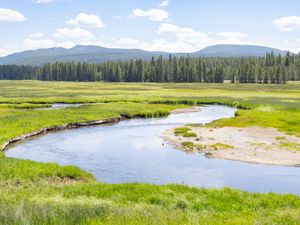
<point x="96" y="54"/>
<point x="80" y="53"/>
<point x="237" y="51"/>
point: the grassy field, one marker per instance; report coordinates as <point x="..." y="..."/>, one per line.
<point x="37" y="193"/>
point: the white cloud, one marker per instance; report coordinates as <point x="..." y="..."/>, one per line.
<point x="289" y="23"/>
<point x="46" y="43"/>
<point x="74" y="34"/>
<point x="128" y="43"/>
<point x="185" y="35"/>
<point x="4" y="52"/>
<point x="36" y="35"/>
<point x="43" y="1"/>
<point x="152" y="14"/>
<point x="231" y="34"/>
<point x="86" y="20"/>
<point x="9" y="15"/>
<point x="164" y="3"/>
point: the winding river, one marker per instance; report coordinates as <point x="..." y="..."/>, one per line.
<point x="133" y="151"/>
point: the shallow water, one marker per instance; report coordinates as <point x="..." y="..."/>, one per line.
<point x="133" y="151"/>
<point x="56" y="106"/>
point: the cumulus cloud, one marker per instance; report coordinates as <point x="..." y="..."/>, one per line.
<point x="36" y="35"/>
<point x="84" y="19"/>
<point x="231" y="34"/>
<point x="74" y="34"/>
<point x="46" y="43"/>
<point x="185" y="35"/>
<point x="9" y="15"/>
<point x="289" y="23"/>
<point x="163" y="4"/>
<point x="152" y="14"/>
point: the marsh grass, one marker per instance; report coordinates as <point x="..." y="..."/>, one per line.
<point x="184" y="132"/>
<point x="37" y="193"/>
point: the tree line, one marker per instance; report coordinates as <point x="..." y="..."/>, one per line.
<point x="269" y="69"/>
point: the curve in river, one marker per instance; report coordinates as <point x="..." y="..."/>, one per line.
<point x="133" y="151"/>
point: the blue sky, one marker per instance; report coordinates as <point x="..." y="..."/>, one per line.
<point x="156" y="25"/>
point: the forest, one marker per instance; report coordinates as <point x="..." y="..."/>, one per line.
<point x="275" y="69"/>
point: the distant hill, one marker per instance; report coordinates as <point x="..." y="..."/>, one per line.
<point x="90" y="54"/>
<point x="96" y="54"/>
<point x="237" y="51"/>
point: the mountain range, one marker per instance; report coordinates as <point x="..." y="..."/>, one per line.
<point x="96" y="54"/>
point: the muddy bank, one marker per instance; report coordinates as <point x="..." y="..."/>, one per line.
<point x="81" y="124"/>
<point x="251" y="144"/>
<point x="186" y="110"/>
<point x="61" y="127"/>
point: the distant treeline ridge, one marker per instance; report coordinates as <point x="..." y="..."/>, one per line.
<point x="269" y="69"/>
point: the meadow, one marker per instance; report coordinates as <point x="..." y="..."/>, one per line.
<point x="45" y="193"/>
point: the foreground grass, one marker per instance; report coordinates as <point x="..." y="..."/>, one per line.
<point x="37" y="193"/>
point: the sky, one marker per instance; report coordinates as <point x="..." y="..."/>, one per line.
<point x="154" y="25"/>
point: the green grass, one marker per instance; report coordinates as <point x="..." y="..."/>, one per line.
<point x="220" y="146"/>
<point x="184" y="132"/>
<point x="188" y="145"/>
<point x="37" y="193"/>
<point x="45" y="193"/>
<point x="290" y="145"/>
<point x="216" y="146"/>
<point x="15" y="122"/>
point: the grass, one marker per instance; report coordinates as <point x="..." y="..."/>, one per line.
<point x="37" y="193"/>
<point x="188" y="145"/>
<point x="45" y="193"/>
<point x="14" y="122"/>
<point x="185" y="132"/>
<point x="216" y="146"/>
<point x="290" y="145"/>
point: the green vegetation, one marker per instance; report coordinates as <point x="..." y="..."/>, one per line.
<point x="290" y="145"/>
<point x="41" y="193"/>
<point x="14" y="122"/>
<point x="185" y="132"/>
<point x="216" y="146"/>
<point x="188" y="145"/>
<point x="220" y="146"/>
<point x="275" y="69"/>
<point x="280" y="138"/>
<point x="181" y="130"/>
<point x="37" y="193"/>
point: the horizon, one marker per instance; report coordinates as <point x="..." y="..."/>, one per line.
<point x="68" y="48"/>
<point x="167" y="25"/>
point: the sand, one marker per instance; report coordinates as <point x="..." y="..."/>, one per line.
<point x="251" y="144"/>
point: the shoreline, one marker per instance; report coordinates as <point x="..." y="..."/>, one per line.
<point x="256" y="145"/>
<point x="66" y="126"/>
<point x="74" y="125"/>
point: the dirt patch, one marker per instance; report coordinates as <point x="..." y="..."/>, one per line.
<point x="186" y="110"/>
<point x="251" y="144"/>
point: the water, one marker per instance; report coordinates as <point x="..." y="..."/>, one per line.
<point x="132" y="151"/>
<point x="56" y="106"/>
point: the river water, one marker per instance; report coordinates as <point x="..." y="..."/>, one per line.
<point x="133" y="151"/>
